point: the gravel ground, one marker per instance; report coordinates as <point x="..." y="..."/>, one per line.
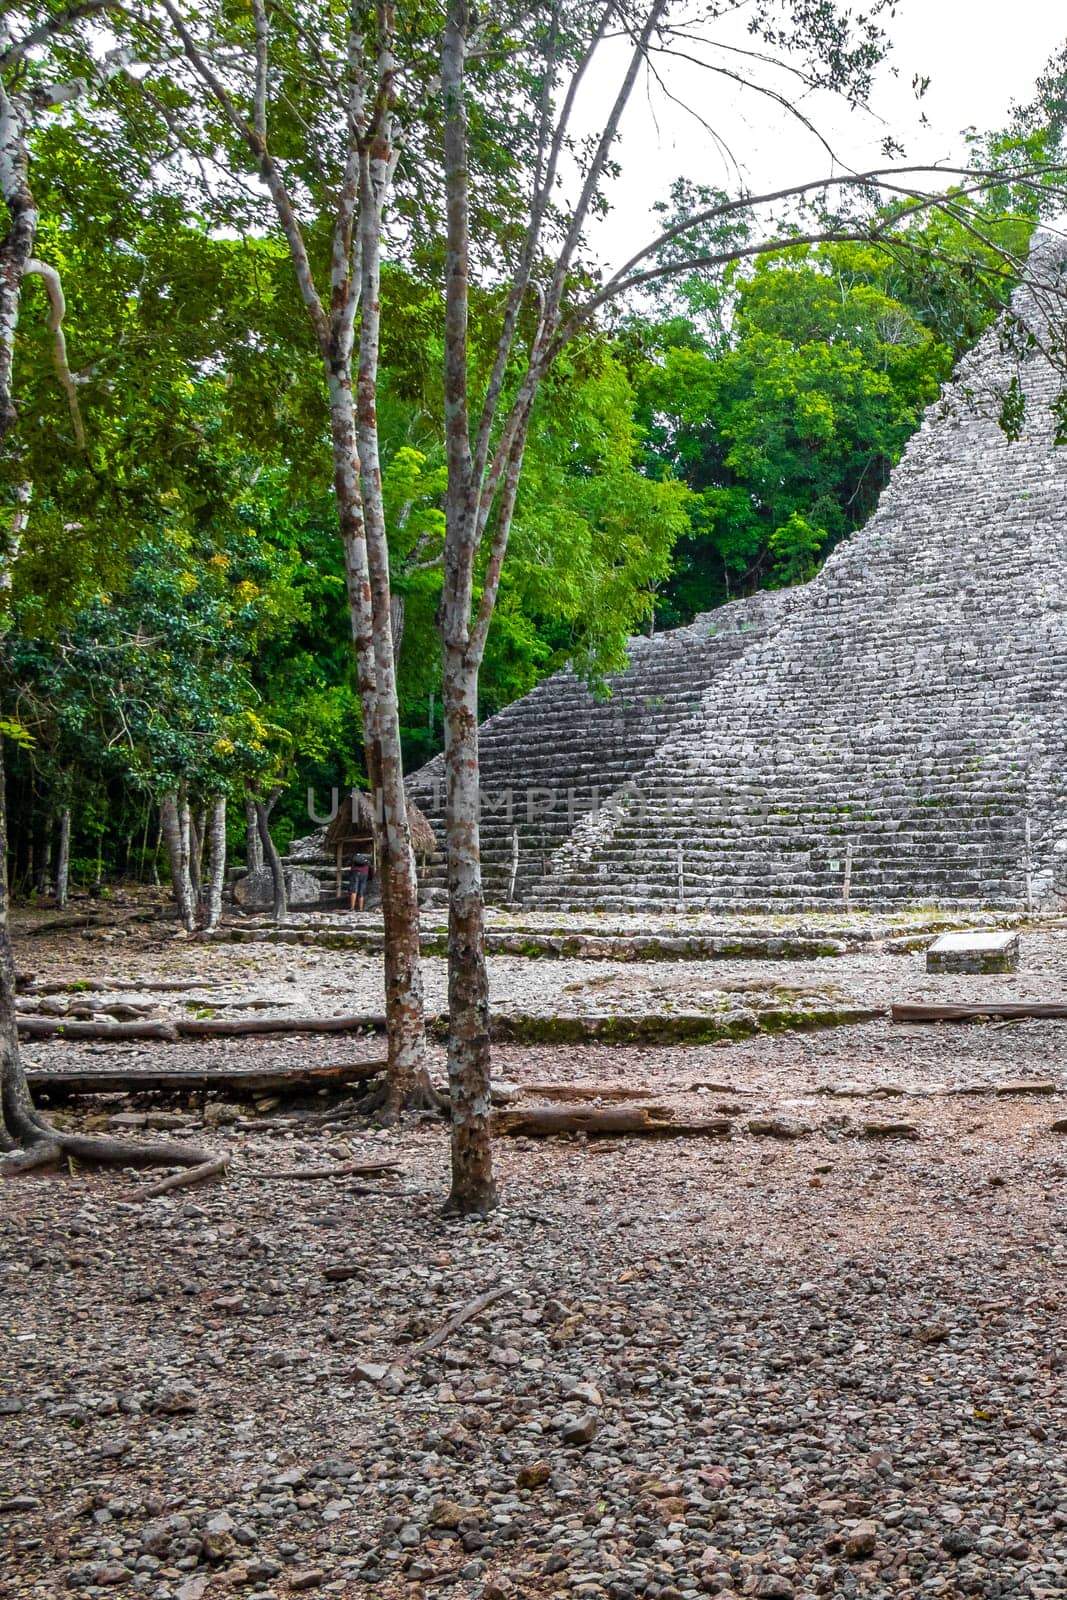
<point x="773" y="1366"/>
<point x="323" y="982"/>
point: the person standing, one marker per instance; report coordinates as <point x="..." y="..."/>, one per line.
<point x="358" y="876"/>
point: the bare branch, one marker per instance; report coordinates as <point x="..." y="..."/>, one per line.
<point x="259" y="105"/>
<point x="52" y="27"/>
<point x="268" y="171"/>
<point x="57" y="305"/>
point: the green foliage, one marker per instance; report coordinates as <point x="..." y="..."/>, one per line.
<point x="786" y="416"/>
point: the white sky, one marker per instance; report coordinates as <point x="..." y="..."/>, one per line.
<point x="979" y="56"/>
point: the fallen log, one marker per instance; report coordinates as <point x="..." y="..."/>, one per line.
<point x="33" y="1027"/>
<point x="88" y="920"/>
<point x="572" y="1092"/>
<point x="28" y="986"/>
<point x="925" y="1011"/>
<point x="59" y="1084"/>
<point x="61" y="1028"/>
<point x="232" y="1027"/>
<point x="547" y="1121"/>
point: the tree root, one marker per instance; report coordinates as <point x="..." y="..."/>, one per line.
<point x="44" y="1146"/>
<point x="214" y="1168"/>
<point x="379" y="1103"/>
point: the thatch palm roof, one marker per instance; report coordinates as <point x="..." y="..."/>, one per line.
<point x="354" y="824"/>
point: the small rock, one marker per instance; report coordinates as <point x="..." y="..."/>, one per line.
<point x="534" y="1476"/>
<point x="580" y="1430"/>
<point x="178" y="1401"/>
<point x="306" y="1579"/>
<point x="587" y="1393"/>
<point x="261" y="1568"/>
<point x="449" y="1514"/>
<point x="370" y="1371"/>
<point x="958" y="1541"/>
<point x="194" y="1588"/>
<point x="777" y="1127"/>
<point x="861" y="1540"/>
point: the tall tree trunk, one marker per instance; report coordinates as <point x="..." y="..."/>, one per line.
<point x="396" y="626"/>
<point x="176" y="843"/>
<point x="270" y="851"/>
<point x="407" y="1076"/>
<point x="473" y="1187"/>
<point x="63" y="860"/>
<point x="17" y="244"/>
<point x="194" y="849"/>
<point x="44" y="858"/>
<point x="19" y="1123"/>
<point x="216" y="874"/>
<point x="254" y="862"/>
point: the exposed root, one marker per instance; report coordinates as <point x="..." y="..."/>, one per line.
<point x="214" y="1168"/>
<point x="45" y="1154"/>
<point x="380" y="1103"/>
<point x="46" y="1146"/>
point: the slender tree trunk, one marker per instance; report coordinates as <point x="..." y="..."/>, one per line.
<point x="173" y="826"/>
<point x="44" y="859"/>
<point x="19" y="1123"/>
<point x="406" y="1075"/>
<point x="216" y="875"/>
<point x="270" y="851"/>
<point x="194" y="844"/>
<point x="473" y="1187"/>
<point x="396" y="626"/>
<point x="253" y="846"/>
<point x="63" y="860"/>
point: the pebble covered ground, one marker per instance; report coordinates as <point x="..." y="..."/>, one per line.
<point x="801" y="1360"/>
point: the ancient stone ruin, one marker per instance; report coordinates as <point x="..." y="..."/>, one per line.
<point x="892" y="733"/>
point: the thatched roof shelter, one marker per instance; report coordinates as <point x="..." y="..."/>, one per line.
<point x="353" y="826"/>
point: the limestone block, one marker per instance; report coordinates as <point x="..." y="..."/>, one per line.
<point x="974" y="952"/>
<point x="255" y="891"/>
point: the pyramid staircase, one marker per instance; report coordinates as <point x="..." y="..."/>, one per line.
<point x="893" y="733"/>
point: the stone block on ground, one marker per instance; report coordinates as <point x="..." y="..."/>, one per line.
<point x="974" y="952"/>
<point x="255" y="891"/>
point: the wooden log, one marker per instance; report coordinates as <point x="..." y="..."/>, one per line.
<point x="61" y="1028"/>
<point x="547" y="1121"/>
<point x="59" y="1084"/>
<point x="925" y="1011"/>
<point x="27" y="985"/>
<point x="231" y="1027"/>
<point x="32" y="1027"/>
<point x="573" y="1092"/>
<point x="87" y="920"/>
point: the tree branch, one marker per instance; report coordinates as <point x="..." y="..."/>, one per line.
<point x="57" y="305"/>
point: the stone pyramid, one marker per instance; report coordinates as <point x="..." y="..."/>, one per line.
<point x="892" y="733"/>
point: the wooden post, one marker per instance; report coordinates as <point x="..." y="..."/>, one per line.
<point x="514" y="864"/>
<point x="1029" y="867"/>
